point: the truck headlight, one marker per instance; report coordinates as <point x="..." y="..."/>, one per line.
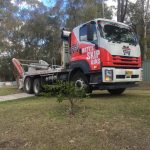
<point x="108" y="75"/>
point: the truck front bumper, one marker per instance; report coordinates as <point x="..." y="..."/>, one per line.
<point x="115" y="75"/>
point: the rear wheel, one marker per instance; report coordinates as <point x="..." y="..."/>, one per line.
<point x="37" y="86"/>
<point x="81" y="81"/>
<point x="28" y="85"/>
<point x="116" y="91"/>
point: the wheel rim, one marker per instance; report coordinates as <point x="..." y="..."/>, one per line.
<point x="36" y="88"/>
<point x="80" y="84"/>
<point x="27" y="85"/>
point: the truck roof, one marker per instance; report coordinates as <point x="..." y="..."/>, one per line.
<point x="108" y="20"/>
<point x="102" y="19"/>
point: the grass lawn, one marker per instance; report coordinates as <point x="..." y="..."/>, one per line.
<point x="103" y="122"/>
<point x="8" y="91"/>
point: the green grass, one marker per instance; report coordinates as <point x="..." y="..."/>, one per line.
<point x="103" y="122"/>
<point x="8" y="91"/>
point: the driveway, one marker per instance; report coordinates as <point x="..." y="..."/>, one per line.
<point x="14" y="96"/>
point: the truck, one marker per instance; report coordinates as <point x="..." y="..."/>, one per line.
<point x="100" y="54"/>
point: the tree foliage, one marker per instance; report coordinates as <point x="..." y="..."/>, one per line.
<point x="79" y="11"/>
<point x="30" y="32"/>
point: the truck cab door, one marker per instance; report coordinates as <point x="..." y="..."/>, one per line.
<point x="88" y="45"/>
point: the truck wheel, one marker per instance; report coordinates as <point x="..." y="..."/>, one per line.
<point x="37" y="86"/>
<point x="116" y="91"/>
<point x="28" y="85"/>
<point x="81" y="81"/>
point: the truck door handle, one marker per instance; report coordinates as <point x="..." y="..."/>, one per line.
<point x="96" y="46"/>
<point x="80" y="51"/>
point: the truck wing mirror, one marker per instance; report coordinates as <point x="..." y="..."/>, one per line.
<point x="65" y="34"/>
<point x="90" y="32"/>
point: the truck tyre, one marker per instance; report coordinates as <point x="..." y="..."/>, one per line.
<point x="37" y="87"/>
<point x="116" y="91"/>
<point x="81" y="81"/>
<point x="28" y="85"/>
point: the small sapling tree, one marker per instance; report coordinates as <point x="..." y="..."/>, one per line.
<point x="66" y="91"/>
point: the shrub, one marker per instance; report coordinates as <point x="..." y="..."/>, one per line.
<point x="65" y="91"/>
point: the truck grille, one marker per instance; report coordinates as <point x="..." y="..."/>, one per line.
<point x="125" y="61"/>
<point x="123" y="76"/>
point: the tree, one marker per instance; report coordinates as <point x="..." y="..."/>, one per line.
<point x="6" y="71"/>
<point x="79" y="11"/>
<point x="145" y="17"/>
<point x="139" y="14"/>
<point x="66" y="91"/>
<point x="8" y="23"/>
<point x="121" y="10"/>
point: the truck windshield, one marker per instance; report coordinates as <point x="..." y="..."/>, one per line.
<point x="117" y="33"/>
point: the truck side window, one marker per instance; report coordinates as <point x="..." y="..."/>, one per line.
<point x="83" y="33"/>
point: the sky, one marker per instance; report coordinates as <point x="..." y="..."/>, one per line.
<point x="113" y="3"/>
<point x="48" y="2"/>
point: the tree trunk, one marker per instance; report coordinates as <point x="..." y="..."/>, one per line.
<point x="145" y="17"/>
<point x="121" y="10"/>
<point x="118" y="10"/>
<point x="71" y="107"/>
<point x="145" y="42"/>
<point x="124" y="12"/>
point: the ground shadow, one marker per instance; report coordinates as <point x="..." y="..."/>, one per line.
<point x="109" y="96"/>
<point x="105" y="95"/>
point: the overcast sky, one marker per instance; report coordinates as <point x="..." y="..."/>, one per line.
<point x="112" y="3"/>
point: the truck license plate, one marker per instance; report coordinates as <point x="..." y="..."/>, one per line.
<point x="128" y="73"/>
